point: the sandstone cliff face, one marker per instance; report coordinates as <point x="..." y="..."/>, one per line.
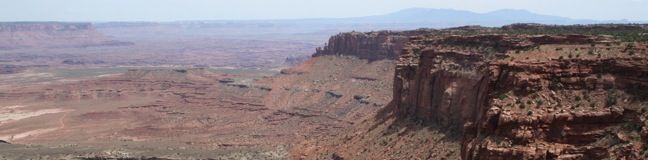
<point x="51" y="34"/>
<point x="441" y="93"/>
<point x="370" y="45"/>
<point x="528" y="97"/>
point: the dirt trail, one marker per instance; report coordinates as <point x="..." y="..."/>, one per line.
<point x="37" y="132"/>
<point x="61" y="123"/>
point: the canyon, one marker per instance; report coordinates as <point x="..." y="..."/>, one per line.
<point x="521" y="91"/>
<point x="496" y="93"/>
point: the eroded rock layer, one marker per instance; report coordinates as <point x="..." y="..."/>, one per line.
<point x="529" y="97"/>
<point x="371" y="45"/>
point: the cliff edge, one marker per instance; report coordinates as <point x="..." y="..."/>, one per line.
<point x="523" y="91"/>
<point x="529" y="96"/>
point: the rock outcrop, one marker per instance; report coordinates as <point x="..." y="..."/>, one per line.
<point x="371" y="45"/>
<point x="51" y="34"/>
<point x="528" y="97"/>
<point x="522" y="91"/>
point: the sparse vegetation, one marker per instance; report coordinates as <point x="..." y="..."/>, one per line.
<point x="632" y="126"/>
<point x="630" y="46"/>
<point x="539" y="102"/>
<point x="555" y="84"/>
<point x="578" y="105"/>
<point x="502" y="97"/>
<point x="630" y="34"/>
<point x="644" y="150"/>
<point x="611" y="99"/>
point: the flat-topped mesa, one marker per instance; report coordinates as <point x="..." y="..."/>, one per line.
<point x="370" y="45"/>
<point x="43" y="26"/>
<point x="529" y="97"/>
<point x="51" y="34"/>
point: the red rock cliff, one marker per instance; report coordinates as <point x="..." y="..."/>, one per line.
<point x="529" y="97"/>
<point x="370" y="45"/>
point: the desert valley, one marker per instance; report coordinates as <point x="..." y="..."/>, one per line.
<point x="325" y="89"/>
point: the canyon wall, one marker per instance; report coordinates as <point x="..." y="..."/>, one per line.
<point x="528" y="97"/>
<point x="51" y="34"/>
<point x="370" y="45"/>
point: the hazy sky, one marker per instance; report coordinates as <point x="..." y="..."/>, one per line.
<point x="171" y="10"/>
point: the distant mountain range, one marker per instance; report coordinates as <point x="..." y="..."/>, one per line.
<point x="320" y="29"/>
<point x="450" y="18"/>
<point x="421" y="17"/>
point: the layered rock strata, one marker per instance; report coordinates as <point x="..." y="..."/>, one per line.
<point x="51" y="34"/>
<point x="528" y="97"/>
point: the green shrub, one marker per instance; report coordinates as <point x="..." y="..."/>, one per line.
<point x="611" y="100"/>
<point x="555" y="84"/>
<point x="539" y="102"/>
<point x="586" y="96"/>
<point x="630" y="46"/>
<point x="502" y="96"/>
<point x="632" y="126"/>
<point x="645" y="150"/>
<point x="578" y="105"/>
